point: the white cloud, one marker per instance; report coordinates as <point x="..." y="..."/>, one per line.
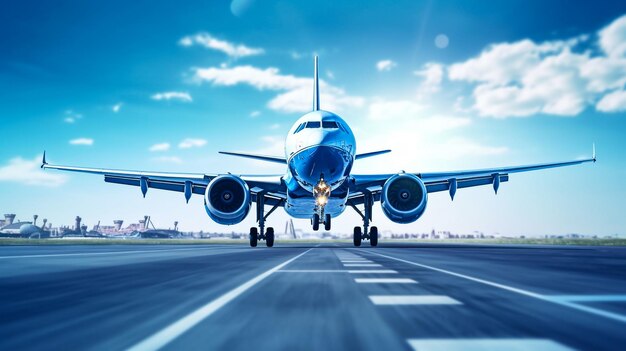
<point x="168" y="159"/>
<point x="210" y="42"/>
<point x="160" y="147"/>
<point x="524" y="78"/>
<point x="254" y="114"/>
<point x="29" y="172"/>
<point x="71" y="117"/>
<point x="191" y="142"/>
<point x="173" y="95"/>
<point x="385" y="65"/>
<point x="297" y="95"/>
<point x="81" y="141"/>
<point x="274" y="126"/>
<point x="116" y="108"/>
<point x="613" y="102"/>
<point x="432" y="73"/>
<point x="613" y="38"/>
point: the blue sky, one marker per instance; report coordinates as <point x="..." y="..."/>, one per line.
<point x="446" y="84"/>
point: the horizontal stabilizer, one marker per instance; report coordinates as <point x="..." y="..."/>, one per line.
<point x="370" y="154"/>
<point x="274" y="159"/>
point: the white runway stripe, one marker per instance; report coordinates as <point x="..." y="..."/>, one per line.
<point x="361" y="271"/>
<point x="385" y="281"/>
<point x="486" y="345"/>
<point x="361" y="265"/>
<point x="413" y="300"/>
<point x="573" y="305"/>
<point x="313" y="271"/>
<point x="176" y="329"/>
<point x="373" y="271"/>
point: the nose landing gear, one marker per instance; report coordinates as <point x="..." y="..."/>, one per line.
<point x="317" y="219"/>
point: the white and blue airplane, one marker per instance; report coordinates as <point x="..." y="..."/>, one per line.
<point x="320" y="151"/>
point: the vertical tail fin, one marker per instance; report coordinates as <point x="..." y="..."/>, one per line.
<point x="316" y="89"/>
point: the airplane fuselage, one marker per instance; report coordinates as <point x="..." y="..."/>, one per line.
<point x="320" y="147"/>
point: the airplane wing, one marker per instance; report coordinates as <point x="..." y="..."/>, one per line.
<point x="451" y="181"/>
<point x="271" y="186"/>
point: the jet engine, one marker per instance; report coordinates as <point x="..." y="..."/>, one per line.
<point x="227" y="199"/>
<point x="403" y="198"/>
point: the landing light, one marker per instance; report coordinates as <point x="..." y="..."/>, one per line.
<point x="322" y="200"/>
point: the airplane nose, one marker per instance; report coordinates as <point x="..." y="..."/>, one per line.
<point x="320" y="161"/>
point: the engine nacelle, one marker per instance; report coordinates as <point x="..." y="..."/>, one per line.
<point x="404" y="198"/>
<point x="227" y="199"/>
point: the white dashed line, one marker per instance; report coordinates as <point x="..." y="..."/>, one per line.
<point x="363" y="271"/>
<point x="361" y="265"/>
<point x="176" y="329"/>
<point x="413" y="300"/>
<point x="385" y="281"/>
<point x="486" y="345"/>
<point x="313" y="271"/>
<point x="373" y="271"/>
<point x="547" y="298"/>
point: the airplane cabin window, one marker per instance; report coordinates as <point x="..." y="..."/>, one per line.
<point x="329" y="125"/>
<point x="313" y="124"/>
<point x="300" y="127"/>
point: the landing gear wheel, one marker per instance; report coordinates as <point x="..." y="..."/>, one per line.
<point x="269" y="237"/>
<point x="374" y="236"/>
<point x="316" y="222"/>
<point x="327" y="222"/>
<point x="357" y="236"/>
<point x="254" y="236"/>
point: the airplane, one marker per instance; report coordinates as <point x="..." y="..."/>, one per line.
<point x="320" y="150"/>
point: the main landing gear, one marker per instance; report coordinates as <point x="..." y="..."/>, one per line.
<point x="363" y="233"/>
<point x="261" y="233"/>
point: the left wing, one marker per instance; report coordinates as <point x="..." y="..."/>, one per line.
<point x="451" y="181"/>
<point x="271" y="186"/>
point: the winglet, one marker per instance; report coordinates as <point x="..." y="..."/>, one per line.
<point x="316" y="88"/>
<point x="593" y="156"/>
<point x="43" y="160"/>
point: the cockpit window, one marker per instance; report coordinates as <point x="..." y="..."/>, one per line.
<point x="300" y="127"/>
<point x="329" y="125"/>
<point x="313" y="124"/>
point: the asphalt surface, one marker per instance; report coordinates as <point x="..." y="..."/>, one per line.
<point x="312" y="297"/>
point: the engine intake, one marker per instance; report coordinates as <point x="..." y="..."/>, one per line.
<point x="404" y="198"/>
<point x="227" y="199"/>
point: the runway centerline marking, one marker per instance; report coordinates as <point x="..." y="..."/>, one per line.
<point x="369" y="271"/>
<point x="413" y="300"/>
<point x="384" y="281"/>
<point x="486" y="344"/>
<point x="361" y="265"/>
<point x="176" y="329"/>
<point x="111" y="253"/>
<point x="547" y="298"/>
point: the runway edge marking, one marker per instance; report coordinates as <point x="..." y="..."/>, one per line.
<point x="547" y="298"/>
<point x="176" y="329"/>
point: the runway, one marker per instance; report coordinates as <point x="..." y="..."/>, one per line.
<point x="313" y="297"/>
